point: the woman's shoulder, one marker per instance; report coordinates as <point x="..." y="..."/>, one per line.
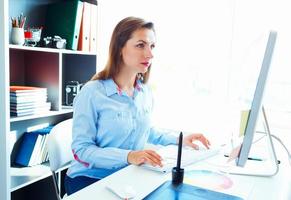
<point x="93" y="86"/>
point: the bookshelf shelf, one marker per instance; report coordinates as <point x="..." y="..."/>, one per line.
<point x="51" y="50"/>
<point x="27" y="48"/>
<point x="24" y="176"/>
<point x="47" y="114"/>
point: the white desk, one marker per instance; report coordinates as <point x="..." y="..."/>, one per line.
<point x="145" y="181"/>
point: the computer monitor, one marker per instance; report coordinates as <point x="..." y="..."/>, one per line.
<point x="242" y="152"/>
<point x="256" y="106"/>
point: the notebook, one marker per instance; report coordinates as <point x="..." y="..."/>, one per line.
<point x="189" y="156"/>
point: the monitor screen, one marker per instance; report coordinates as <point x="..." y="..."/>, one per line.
<point x="256" y="106"/>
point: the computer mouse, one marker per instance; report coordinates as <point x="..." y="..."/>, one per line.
<point x="129" y="191"/>
<point x="123" y="191"/>
<point x="200" y="147"/>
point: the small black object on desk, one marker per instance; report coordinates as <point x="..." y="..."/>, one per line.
<point x="178" y="172"/>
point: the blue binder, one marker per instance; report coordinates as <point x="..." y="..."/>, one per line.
<point x="28" y="144"/>
<point x="167" y="191"/>
<point x="26" y="148"/>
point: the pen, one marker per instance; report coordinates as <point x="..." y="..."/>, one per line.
<point x="178" y="172"/>
<point x="249" y="158"/>
<point x="256" y="159"/>
<point x="179" y="150"/>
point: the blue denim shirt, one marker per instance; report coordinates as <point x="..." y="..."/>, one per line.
<point x="107" y="125"/>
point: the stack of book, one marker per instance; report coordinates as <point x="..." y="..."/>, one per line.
<point x="33" y="147"/>
<point x="26" y="100"/>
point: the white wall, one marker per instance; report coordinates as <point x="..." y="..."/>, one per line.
<point x="200" y="52"/>
<point x="190" y="69"/>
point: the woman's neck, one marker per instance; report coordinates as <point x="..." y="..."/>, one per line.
<point x="125" y="82"/>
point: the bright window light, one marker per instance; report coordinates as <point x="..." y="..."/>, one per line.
<point x="199" y="56"/>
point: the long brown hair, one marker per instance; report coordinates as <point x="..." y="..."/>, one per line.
<point x="121" y="34"/>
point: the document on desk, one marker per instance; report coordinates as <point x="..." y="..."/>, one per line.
<point x="207" y="176"/>
<point x="189" y="156"/>
<point x="186" y="191"/>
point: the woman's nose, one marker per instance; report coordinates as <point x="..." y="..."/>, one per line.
<point x="149" y="53"/>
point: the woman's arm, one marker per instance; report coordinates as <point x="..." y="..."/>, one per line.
<point x="161" y="137"/>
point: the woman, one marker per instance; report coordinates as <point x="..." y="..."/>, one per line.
<point x="111" y="121"/>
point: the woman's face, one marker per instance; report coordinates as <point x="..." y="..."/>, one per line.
<point x="137" y="53"/>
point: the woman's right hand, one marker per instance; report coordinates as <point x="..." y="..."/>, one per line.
<point x="144" y="156"/>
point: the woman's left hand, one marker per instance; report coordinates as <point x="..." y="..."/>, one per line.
<point x="189" y="139"/>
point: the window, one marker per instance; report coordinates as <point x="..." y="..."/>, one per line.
<point x="199" y="47"/>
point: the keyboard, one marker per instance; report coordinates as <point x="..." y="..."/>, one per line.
<point x="189" y="156"/>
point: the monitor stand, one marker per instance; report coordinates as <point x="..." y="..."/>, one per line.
<point x="263" y="168"/>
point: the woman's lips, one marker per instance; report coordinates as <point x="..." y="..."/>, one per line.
<point x="146" y="64"/>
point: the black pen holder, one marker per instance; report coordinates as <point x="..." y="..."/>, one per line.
<point x="177" y="175"/>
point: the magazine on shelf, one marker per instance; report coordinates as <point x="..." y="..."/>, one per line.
<point x="26" y="89"/>
<point x="27" y="100"/>
<point x="23" y="107"/>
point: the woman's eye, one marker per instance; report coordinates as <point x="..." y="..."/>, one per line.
<point x="153" y="46"/>
<point x="141" y="45"/>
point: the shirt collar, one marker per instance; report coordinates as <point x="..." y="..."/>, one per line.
<point x="112" y="88"/>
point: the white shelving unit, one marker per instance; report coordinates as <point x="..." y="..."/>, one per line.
<point x="4" y="122"/>
<point x="33" y="66"/>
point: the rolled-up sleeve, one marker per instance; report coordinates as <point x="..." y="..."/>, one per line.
<point x="157" y="136"/>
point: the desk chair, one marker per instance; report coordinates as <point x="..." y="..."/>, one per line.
<point x="59" y="150"/>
